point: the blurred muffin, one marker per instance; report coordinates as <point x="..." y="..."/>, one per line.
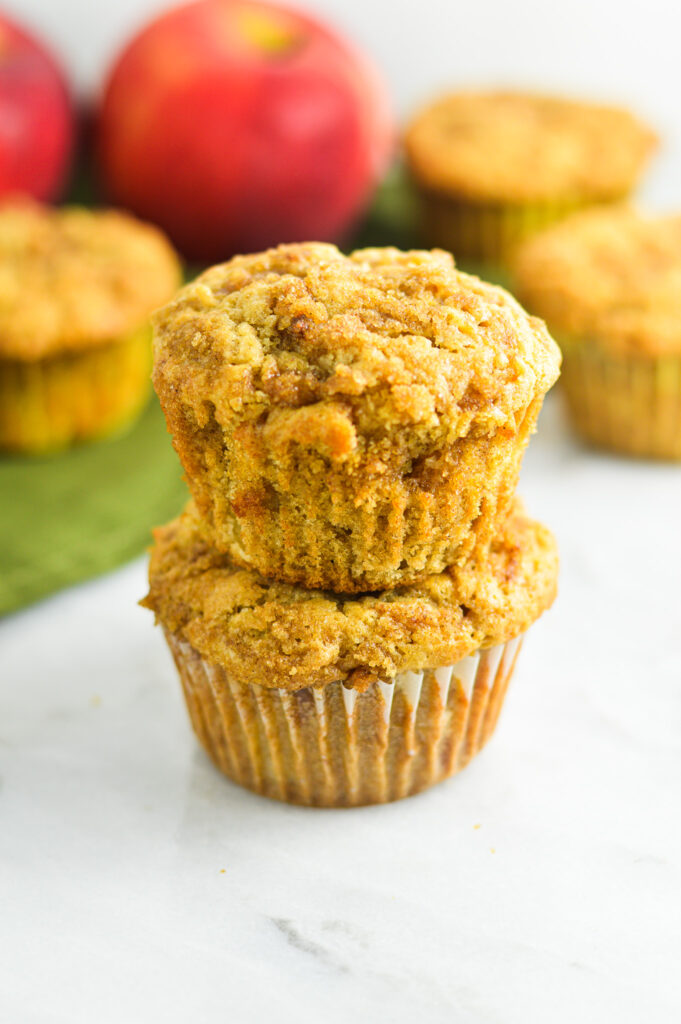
<point x="76" y="291"/>
<point x="349" y="423"/>
<point x="495" y="167"/>
<point x="608" y="284"/>
<point x="330" y="700"/>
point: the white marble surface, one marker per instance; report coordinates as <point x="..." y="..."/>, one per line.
<point x="542" y="884"/>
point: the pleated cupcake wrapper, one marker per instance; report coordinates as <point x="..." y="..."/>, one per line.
<point x="487" y="232"/>
<point x="626" y="403"/>
<point x="332" y="746"/>
<point x="52" y="402"/>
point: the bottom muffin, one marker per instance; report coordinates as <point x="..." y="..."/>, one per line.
<point x="335" y="700"/>
<point x="332" y="746"/>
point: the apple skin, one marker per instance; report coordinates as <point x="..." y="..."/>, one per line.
<point x="36" y="117"/>
<point x="235" y="125"/>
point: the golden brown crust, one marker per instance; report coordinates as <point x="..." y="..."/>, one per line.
<point x="72" y="278"/>
<point x="517" y="147"/>
<point x="323" y="406"/>
<point x="283" y="636"/>
<point x="611" y="277"/>
<point x="336" y="351"/>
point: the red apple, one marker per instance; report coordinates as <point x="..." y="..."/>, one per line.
<point x="36" y="120"/>
<point x="235" y="124"/>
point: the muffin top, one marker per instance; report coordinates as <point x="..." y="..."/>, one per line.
<point x="281" y="635"/>
<point x="612" y="276"/>
<point x="516" y="147"/>
<point x="72" y="278"/>
<point x="339" y="353"/>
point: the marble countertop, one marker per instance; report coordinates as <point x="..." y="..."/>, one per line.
<point x="542" y="884"/>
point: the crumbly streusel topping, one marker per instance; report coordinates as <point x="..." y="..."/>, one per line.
<point x="507" y="146"/>
<point x="73" y="278"/>
<point x="280" y="635"/>
<point x="611" y="276"/>
<point x="337" y="352"/>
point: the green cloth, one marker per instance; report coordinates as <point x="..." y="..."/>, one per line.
<point x="73" y="515"/>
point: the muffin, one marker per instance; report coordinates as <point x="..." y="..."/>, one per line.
<point x="349" y="423"/>
<point x="76" y="290"/>
<point x="494" y="167"/>
<point x="609" y="285"/>
<point x="339" y="700"/>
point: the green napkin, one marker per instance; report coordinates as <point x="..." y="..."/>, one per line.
<point x="73" y="515"/>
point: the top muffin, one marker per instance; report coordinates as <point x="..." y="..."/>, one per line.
<point x="610" y="276"/>
<point x="349" y="422"/>
<point x="73" y="279"/>
<point x="517" y="147"/>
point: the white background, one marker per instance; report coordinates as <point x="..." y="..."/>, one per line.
<point x="615" y="50"/>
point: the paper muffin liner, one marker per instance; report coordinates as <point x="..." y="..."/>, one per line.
<point x="626" y="403"/>
<point x="325" y="538"/>
<point x="50" y="403"/>
<point x="486" y="232"/>
<point x="332" y="746"/>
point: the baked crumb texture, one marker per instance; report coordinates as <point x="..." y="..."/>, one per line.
<point x="610" y="275"/>
<point x="76" y="290"/>
<point x="321" y="699"/>
<point x="72" y="279"/>
<point x="518" y="147"/>
<point x="495" y="168"/>
<point x="609" y="285"/>
<point x="349" y="423"/>
<point x="277" y="635"/>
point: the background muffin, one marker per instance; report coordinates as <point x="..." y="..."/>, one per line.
<point x="608" y="284"/>
<point x="319" y="698"/>
<point x="76" y="291"/>
<point x="494" y="167"/>
<point x="349" y="422"/>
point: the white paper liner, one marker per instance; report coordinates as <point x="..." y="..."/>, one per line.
<point x="336" y="746"/>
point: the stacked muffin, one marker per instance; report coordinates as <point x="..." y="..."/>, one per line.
<point x="346" y="593"/>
